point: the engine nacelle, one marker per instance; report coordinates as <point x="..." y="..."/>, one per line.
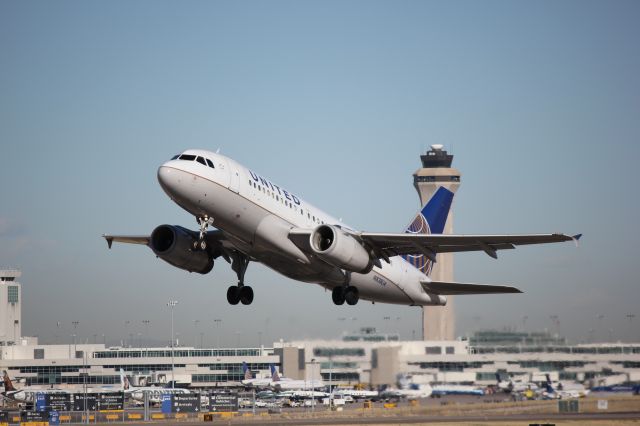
<point x="340" y="249"/>
<point x="174" y="245"/>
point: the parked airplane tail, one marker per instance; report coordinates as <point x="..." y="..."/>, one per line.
<point x="430" y="220"/>
<point x="8" y="386"/>
<point x="548" y="385"/>
<point x="247" y="372"/>
<point x="274" y="373"/>
<point x="124" y="381"/>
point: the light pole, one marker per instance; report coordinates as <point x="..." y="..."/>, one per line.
<point x="311" y="379"/>
<point x="146" y="323"/>
<point x="217" y="321"/>
<point x="172" y="304"/>
<point x="195" y="334"/>
<point x="75" y="326"/>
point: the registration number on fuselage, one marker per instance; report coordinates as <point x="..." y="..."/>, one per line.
<point x="380" y="280"/>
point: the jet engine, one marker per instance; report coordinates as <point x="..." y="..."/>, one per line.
<point x="340" y="249"/>
<point x="174" y="245"/>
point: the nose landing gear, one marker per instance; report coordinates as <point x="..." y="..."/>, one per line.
<point x="204" y="222"/>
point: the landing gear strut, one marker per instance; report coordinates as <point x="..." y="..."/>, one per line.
<point x="239" y="293"/>
<point x="342" y="294"/>
<point x="204" y="222"/>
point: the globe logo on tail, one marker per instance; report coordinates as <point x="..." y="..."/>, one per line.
<point x="420" y="261"/>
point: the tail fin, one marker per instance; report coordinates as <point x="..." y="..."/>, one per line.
<point x="124" y="381"/>
<point x="8" y="386"/>
<point x="247" y="372"/>
<point x="274" y="373"/>
<point x="548" y="385"/>
<point x="430" y="220"/>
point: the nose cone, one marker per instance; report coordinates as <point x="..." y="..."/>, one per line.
<point x="168" y="179"/>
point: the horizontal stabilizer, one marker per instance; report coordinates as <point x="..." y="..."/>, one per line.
<point x="451" y="288"/>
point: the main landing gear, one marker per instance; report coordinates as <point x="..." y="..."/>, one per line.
<point x="342" y="294"/>
<point x="239" y="293"/>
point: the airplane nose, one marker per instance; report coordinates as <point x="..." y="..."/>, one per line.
<point x="167" y="178"/>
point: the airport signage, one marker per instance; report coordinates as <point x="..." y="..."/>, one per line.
<point x="53" y="401"/>
<point x="186" y="403"/>
<point x="111" y="401"/>
<point x="34" y="416"/>
<point x="181" y="403"/>
<point x="79" y="399"/>
<point x="223" y="402"/>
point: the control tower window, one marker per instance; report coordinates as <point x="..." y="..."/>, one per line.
<point x="187" y="157"/>
<point x="201" y="161"/>
<point x="209" y="163"/>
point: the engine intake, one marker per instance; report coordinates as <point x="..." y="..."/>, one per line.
<point x="174" y="245"/>
<point x="340" y="249"/>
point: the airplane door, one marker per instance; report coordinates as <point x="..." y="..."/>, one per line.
<point x="234" y="183"/>
<point x="232" y="175"/>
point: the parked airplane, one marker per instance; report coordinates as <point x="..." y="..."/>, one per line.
<point x="155" y="393"/>
<point x="564" y="390"/>
<point x="515" y="385"/>
<point x="28" y="393"/>
<point x="260" y="221"/>
<point x="249" y="380"/>
<point x="285" y="383"/>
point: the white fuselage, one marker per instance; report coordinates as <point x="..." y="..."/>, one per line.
<point x="256" y="216"/>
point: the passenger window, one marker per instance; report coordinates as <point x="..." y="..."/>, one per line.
<point x="209" y="163"/>
<point x="201" y="161"/>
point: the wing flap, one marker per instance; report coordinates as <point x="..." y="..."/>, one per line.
<point x="452" y="288"/>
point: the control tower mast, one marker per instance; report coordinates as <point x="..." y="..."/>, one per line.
<point x="438" y="322"/>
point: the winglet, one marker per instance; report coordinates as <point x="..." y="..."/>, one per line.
<point x="109" y="239"/>
<point x="576" y="238"/>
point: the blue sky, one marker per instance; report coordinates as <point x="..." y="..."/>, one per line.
<point x="539" y="102"/>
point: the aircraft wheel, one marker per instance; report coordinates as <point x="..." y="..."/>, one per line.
<point x="233" y="295"/>
<point x="203" y="245"/>
<point x="351" y="296"/>
<point x="246" y="295"/>
<point x="337" y="295"/>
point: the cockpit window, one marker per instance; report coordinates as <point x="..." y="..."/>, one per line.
<point x="209" y="163"/>
<point x="187" y="157"/>
<point x="175" y="157"/>
<point x="201" y="161"/>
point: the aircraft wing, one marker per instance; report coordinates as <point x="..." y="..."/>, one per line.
<point x="213" y="237"/>
<point x="453" y="288"/>
<point x="129" y="239"/>
<point x="384" y="246"/>
<point x="431" y="244"/>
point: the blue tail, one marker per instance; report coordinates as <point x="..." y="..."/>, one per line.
<point x="274" y="373"/>
<point x="550" y="388"/>
<point x="246" y="371"/>
<point x="430" y="220"/>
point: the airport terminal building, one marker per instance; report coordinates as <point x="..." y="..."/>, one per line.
<point x="366" y="358"/>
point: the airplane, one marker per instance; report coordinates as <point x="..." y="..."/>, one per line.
<point x="28" y="393"/>
<point x="515" y="386"/>
<point x="256" y="382"/>
<point x="257" y="220"/>
<point x="154" y="393"/>
<point x="284" y="383"/>
<point x="564" y="391"/>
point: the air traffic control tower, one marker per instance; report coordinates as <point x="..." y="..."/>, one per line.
<point x="438" y="322"/>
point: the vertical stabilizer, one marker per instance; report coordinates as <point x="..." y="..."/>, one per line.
<point x="430" y="220"/>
